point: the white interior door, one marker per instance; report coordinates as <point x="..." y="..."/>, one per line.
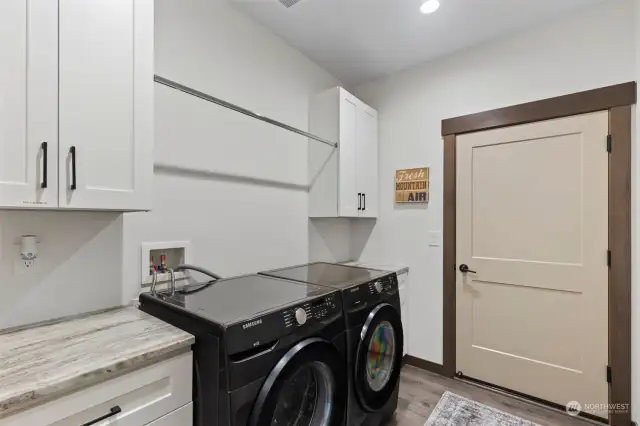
<point x="28" y="103"/>
<point x="106" y="103"/>
<point x="532" y="223"/>
<point x="348" y="200"/>
<point x="367" y="156"/>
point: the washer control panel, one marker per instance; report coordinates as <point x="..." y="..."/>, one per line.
<point x="314" y="310"/>
<point x="307" y="316"/>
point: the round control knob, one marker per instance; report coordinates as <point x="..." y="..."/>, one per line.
<point x="301" y="316"/>
<point x="378" y="286"/>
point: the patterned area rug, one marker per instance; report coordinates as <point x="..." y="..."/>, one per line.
<point x="455" y="410"/>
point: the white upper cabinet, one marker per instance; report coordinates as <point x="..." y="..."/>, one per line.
<point x="76" y="104"/>
<point x="348" y="202"/>
<point x="106" y="104"/>
<point x="344" y="181"/>
<point x="367" y="168"/>
<point x="28" y="103"/>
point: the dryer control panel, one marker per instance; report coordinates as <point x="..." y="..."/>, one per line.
<point x="369" y="293"/>
<point x="314" y="310"/>
<point x="383" y="285"/>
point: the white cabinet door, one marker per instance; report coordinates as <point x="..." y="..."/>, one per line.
<point x="348" y="199"/>
<point x="183" y="416"/>
<point x="367" y="156"/>
<point x="106" y="104"/>
<point x="350" y="179"/>
<point x="28" y="103"/>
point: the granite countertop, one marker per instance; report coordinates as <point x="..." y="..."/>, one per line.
<point x="45" y="362"/>
<point x="398" y="269"/>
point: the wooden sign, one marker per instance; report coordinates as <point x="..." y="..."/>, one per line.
<point x="412" y="185"/>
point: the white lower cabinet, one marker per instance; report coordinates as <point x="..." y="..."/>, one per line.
<point x="180" y="417"/>
<point x="158" y="395"/>
<point x="403" y="289"/>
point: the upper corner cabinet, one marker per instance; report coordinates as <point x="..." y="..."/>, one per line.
<point x="105" y="104"/>
<point x="344" y="181"/>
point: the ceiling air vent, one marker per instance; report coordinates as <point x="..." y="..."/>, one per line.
<point x="289" y="3"/>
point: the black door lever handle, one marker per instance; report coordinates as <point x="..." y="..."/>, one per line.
<point x="465" y="268"/>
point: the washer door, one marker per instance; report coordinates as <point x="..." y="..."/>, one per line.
<point x="379" y="357"/>
<point x="308" y="387"/>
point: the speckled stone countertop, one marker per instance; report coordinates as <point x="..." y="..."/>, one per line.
<point x="45" y="362"/>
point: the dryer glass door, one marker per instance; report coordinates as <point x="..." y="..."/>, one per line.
<point x="379" y="357"/>
<point x="306" y="388"/>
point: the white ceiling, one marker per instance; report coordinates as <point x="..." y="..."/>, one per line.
<point x="360" y="40"/>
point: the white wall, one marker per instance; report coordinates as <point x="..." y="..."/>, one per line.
<point x="233" y="186"/>
<point x="330" y="240"/>
<point x="594" y="48"/>
<point x="78" y="269"/>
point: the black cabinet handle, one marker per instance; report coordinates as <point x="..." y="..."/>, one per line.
<point x="112" y="412"/>
<point x="72" y="151"/>
<point x="45" y="164"/>
<point x="464" y="269"/>
<point x="364" y="201"/>
<point x="359" y="200"/>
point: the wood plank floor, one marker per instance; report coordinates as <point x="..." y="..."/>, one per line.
<point x="421" y="390"/>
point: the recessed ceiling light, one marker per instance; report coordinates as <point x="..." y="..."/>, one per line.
<point x="430" y="6"/>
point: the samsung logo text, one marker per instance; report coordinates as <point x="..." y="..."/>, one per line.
<point x="251" y="324"/>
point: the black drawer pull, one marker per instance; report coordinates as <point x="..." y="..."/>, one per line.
<point x="112" y="412"/>
<point x="359" y="200"/>
<point x="72" y="151"/>
<point x="45" y="162"/>
<point x="364" y="201"/>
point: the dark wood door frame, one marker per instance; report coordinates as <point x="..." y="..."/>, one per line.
<point x="617" y="100"/>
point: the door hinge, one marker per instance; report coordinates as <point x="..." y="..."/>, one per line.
<point x="608" y="143"/>
<point x="609" y="258"/>
<point x="608" y="374"/>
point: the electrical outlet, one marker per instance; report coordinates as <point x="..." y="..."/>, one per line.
<point x="23" y="267"/>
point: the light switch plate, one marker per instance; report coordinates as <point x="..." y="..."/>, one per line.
<point x="435" y="237"/>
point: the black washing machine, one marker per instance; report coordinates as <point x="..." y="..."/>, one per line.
<point x="267" y="351"/>
<point x="375" y="338"/>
